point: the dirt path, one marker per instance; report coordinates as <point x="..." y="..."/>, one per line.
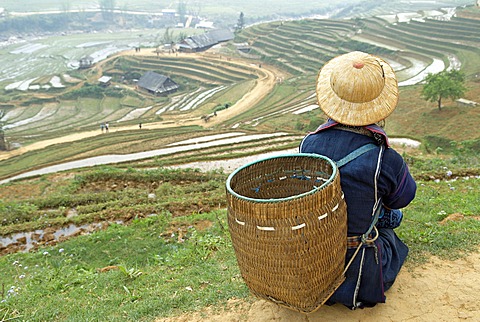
<point x="264" y="85"/>
<point x="437" y="291"/>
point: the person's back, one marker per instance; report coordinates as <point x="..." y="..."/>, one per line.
<point x="357" y="90"/>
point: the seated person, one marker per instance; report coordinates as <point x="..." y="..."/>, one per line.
<point x="357" y="91"/>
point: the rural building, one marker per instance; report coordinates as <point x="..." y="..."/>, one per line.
<point x="169" y="13"/>
<point x="85" y="62"/>
<point x="104" y="81"/>
<point x="465" y="102"/>
<point x="243" y="47"/>
<point x="204" y="24"/>
<point x="157" y="84"/>
<point x="205" y="41"/>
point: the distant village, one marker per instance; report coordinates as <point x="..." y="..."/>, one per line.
<point x="152" y="82"/>
<point x="158" y="84"/>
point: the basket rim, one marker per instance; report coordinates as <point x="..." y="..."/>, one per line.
<point x="273" y="200"/>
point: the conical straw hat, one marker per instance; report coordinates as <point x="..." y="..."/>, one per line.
<point x="357" y="89"/>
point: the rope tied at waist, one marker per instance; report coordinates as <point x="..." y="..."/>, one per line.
<point x="356" y="242"/>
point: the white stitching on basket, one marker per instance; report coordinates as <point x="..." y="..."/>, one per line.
<point x="240" y="222"/>
<point x="336" y="207"/>
<point x="266" y="228"/>
<point x="299" y="226"/>
<point x="323" y="216"/>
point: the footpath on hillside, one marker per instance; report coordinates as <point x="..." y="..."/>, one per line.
<point x="438" y="291"/>
<point x="263" y="86"/>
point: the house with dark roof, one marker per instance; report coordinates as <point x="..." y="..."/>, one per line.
<point x="85" y="62"/>
<point x="205" y="41"/>
<point x="157" y="84"/>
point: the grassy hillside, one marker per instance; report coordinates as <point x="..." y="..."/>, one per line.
<point x="155" y="243"/>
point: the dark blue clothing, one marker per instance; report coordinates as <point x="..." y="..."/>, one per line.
<point x="376" y="266"/>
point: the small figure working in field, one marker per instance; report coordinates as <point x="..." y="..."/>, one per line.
<point x="106" y="127"/>
<point x="102" y="127"/>
<point x="357" y="91"/>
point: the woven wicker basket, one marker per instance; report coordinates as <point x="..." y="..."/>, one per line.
<point x="288" y="222"/>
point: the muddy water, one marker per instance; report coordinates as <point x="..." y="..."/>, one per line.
<point x="187" y="145"/>
<point x="198" y="143"/>
<point x="26" y="241"/>
<point x="437" y="66"/>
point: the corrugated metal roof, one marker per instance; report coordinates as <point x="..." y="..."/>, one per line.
<point x="221" y="35"/>
<point x="156" y="83"/>
<point x="209" y="39"/>
<point x="191" y="43"/>
<point x="104" y="79"/>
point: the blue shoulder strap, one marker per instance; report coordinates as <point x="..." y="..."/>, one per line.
<point x="355" y="154"/>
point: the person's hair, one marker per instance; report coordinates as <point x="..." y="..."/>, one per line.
<point x="381" y="123"/>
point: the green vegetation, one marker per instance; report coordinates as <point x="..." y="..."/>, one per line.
<point x="444" y="218"/>
<point x="153" y="267"/>
<point x="125" y="196"/>
<point x="161" y="244"/>
<point x="446" y="84"/>
<point x="172" y="255"/>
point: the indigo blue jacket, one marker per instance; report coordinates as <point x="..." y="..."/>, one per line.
<point x="375" y="268"/>
<point x="396" y="187"/>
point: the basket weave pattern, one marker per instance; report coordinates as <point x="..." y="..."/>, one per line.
<point x="287" y="220"/>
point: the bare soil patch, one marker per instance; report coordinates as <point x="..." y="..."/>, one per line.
<point x="440" y="290"/>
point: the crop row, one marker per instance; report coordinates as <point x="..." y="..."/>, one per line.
<point x="300" y="47"/>
<point x="199" y="70"/>
<point x="307" y="44"/>
<point x="67" y="116"/>
<point x="310" y="43"/>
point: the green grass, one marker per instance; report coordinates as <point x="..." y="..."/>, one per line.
<point x="164" y="264"/>
<point x="154" y="271"/>
<point x="422" y="227"/>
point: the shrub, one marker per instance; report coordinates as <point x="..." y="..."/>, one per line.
<point x="14" y="212"/>
<point x="437" y="143"/>
<point x="88" y="90"/>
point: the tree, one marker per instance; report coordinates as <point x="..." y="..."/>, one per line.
<point x="107" y="7"/>
<point x="240" y="22"/>
<point x="168" y="36"/>
<point x="66" y="5"/>
<point x="3" y="142"/>
<point x="182" y="11"/>
<point x="446" y="84"/>
<point x="181" y="36"/>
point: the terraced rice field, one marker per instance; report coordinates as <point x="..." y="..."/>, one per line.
<point x="288" y="53"/>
